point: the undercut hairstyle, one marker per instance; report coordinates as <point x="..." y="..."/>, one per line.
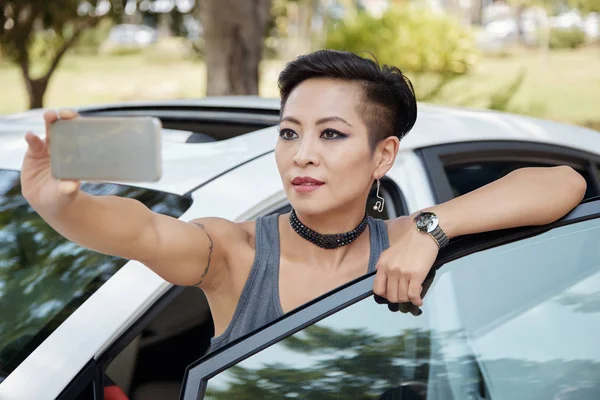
<point x="388" y="106"/>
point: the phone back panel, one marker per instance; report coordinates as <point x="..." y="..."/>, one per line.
<point x="126" y="149"/>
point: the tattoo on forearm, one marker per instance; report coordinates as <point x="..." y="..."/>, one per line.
<point x="210" y="250"/>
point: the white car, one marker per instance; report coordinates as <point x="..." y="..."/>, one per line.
<point x="509" y="315"/>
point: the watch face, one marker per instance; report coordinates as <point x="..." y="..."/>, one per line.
<point x="427" y="222"/>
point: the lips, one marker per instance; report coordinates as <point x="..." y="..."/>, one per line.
<point x="306" y="184"/>
<point x="306" y="180"/>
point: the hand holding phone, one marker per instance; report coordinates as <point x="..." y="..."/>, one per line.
<point x="125" y="149"/>
<point x="52" y="169"/>
<point x="37" y="183"/>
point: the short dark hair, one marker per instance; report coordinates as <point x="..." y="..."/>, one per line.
<point x="389" y="107"/>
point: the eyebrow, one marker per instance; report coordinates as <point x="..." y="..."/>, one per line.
<point x="321" y="121"/>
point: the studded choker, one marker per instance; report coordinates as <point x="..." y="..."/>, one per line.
<point x="330" y="241"/>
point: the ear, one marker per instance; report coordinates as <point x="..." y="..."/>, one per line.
<point x="386" y="153"/>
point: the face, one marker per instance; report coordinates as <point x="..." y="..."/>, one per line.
<point x="323" y="152"/>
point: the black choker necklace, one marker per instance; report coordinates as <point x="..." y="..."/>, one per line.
<point x="330" y="241"/>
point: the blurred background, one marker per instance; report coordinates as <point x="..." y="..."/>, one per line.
<point x="534" y="57"/>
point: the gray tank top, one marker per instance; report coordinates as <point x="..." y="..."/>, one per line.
<point x="259" y="302"/>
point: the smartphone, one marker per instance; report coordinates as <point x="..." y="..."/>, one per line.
<point x="123" y="149"/>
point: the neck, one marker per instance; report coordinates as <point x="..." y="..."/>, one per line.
<point x="333" y="222"/>
<point x="297" y="249"/>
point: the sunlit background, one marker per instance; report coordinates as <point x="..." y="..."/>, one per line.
<point x="534" y="57"/>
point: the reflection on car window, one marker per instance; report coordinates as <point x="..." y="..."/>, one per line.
<point x="515" y="322"/>
<point x="531" y="311"/>
<point x="363" y="352"/>
<point x="44" y="277"/>
<point x="467" y="177"/>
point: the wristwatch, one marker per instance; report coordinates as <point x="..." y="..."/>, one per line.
<point x="428" y="222"/>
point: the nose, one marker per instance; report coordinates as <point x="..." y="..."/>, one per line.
<point x="306" y="153"/>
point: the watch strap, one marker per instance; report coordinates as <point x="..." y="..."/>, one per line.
<point x="440" y="237"/>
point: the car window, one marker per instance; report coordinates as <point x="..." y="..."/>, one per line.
<point x="44" y="277"/>
<point x="531" y="311"/>
<point x="467" y="177"/>
<point x="363" y="351"/>
<point x="517" y="321"/>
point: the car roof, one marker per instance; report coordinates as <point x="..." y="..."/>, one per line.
<point x="187" y="165"/>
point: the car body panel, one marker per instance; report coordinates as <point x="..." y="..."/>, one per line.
<point x="410" y="175"/>
<point x="185" y="166"/>
<point x="45" y="373"/>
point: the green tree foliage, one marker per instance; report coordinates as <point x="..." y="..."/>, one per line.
<point x="36" y="34"/>
<point x="566" y="38"/>
<point x="415" y="39"/>
<point x="585" y="6"/>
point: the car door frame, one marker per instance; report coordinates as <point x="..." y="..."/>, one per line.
<point x="435" y="158"/>
<point x="199" y="372"/>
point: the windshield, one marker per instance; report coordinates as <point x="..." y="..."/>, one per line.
<point x="44" y="278"/>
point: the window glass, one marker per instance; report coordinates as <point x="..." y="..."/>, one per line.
<point x="44" y="277"/>
<point x="531" y="311"/>
<point x="520" y="321"/>
<point x="361" y="352"/>
<point x="467" y="177"/>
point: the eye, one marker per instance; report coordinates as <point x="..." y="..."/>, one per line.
<point x="331" y="134"/>
<point x="287" y="134"/>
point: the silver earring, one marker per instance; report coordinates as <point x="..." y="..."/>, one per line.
<point x="381" y="202"/>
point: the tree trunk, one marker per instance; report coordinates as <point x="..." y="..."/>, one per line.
<point x="234" y="31"/>
<point x="36" y="89"/>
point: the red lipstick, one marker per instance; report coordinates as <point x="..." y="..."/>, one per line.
<point x="306" y="184"/>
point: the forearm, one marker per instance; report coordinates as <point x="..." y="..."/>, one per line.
<point x="525" y="197"/>
<point x="107" y="224"/>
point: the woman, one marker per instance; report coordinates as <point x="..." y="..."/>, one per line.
<point x="342" y="121"/>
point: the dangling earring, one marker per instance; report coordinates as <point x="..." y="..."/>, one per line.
<point x="380" y="203"/>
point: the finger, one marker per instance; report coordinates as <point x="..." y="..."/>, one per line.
<point x="50" y="117"/>
<point x="380" y="283"/>
<point x="403" y="290"/>
<point x="67" y="113"/>
<point x="380" y="299"/>
<point x="414" y="292"/>
<point x="35" y="145"/>
<point x="68" y="187"/>
<point x="409" y="308"/>
<point x="392" y="290"/>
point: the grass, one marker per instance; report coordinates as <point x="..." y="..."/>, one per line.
<point x="563" y="86"/>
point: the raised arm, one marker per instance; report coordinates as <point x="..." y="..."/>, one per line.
<point x="183" y="253"/>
